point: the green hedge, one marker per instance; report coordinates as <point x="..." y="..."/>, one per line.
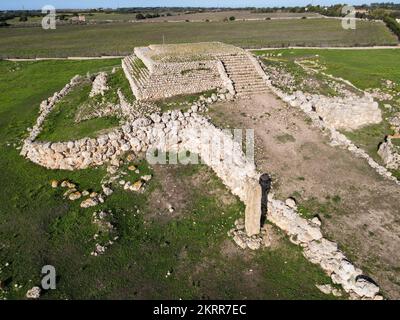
<point x="392" y="25"/>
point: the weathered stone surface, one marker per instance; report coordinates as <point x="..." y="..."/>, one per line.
<point x="99" y="85"/>
<point x="33" y="293"/>
<point x="91" y="202"/>
<point x="390" y="154"/>
<point x="253" y="207"/>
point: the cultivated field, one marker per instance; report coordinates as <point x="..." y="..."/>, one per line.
<point x="179" y="16"/>
<point x="121" y="38"/>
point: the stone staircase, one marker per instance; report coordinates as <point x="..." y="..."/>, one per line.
<point x="136" y="69"/>
<point x="243" y="74"/>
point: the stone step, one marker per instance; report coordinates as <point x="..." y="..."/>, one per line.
<point x="239" y="68"/>
<point x="252" y="89"/>
<point x="249" y="81"/>
<point x="245" y="77"/>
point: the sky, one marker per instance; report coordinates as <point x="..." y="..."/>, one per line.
<point x="62" y="4"/>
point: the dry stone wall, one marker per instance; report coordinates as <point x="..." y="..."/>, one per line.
<point x="390" y="154"/>
<point x="163" y="80"/>
<point x="309" y="104"/>
<point x="189" y="131"/>
<point x="321" y="251"/>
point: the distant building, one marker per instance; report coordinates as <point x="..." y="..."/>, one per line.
<point x="80" y="18"/>
<point x="361" y="10"/>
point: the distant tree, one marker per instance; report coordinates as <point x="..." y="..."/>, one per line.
<point x="62" y="17"/>
<point x="23" y="18"/>
<point x="393" y="25"/>
<point x="232" y="18"/>
<point x="140" y="16"/>
<point x="304" y="17"/>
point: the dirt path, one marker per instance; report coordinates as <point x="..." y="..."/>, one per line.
<point x="67" y="58"/>
<point x="364" y="216"/>
<point x="333" y="48"/>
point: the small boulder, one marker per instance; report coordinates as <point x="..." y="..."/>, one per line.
<point x="74" y="196"/>
<point x="33" y="293"/>
<point x="136" y="186"/>
<point x="291" y="203"/>
<point x="89" y="203"/>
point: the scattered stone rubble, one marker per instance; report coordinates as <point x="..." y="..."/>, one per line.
<point x="33" y="293"/>
<point x="106" y="232"/>
<point x="99" y="86"/>
<point x="390" y="154"/>
<point x="244" y="241"/>
<point x="72" y="193"/>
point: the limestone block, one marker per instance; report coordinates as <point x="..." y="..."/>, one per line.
<point x="253" y="196"/>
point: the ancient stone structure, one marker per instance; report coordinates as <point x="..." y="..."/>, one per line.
<point x="308" y="104"/>
<point x="99" y="85"/>
<point x="156" y="71"/>
<point x="319" y="250"/>
<point x="253" y="193"/>
<point x="189" y="131"/>
<point x="390" y="154"/>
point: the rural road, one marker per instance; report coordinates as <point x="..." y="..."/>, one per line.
<point x="333" y="48"/>
<point x="272" y="48"/>
<point x="67" y="58"/>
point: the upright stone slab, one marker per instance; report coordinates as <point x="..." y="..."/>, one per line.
<point x="253" y="207"/>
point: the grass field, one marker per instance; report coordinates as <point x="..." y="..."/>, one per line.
<point x="364" y="68"/>
<point x="121" y="38"/>
<point x="39" y="227"/>
<point x="178" y="16"/>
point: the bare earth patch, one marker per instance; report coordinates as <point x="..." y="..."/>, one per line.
<point x="365" y="220"/>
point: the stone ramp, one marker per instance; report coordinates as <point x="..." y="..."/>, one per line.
<point x="136" y="73"/>
<point x="243" y="74"/>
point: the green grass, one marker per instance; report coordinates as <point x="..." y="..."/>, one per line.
<point x="39" y="227"/>
<point x="369" y="137"/>
<point x="115" y="81"/>
<point x="121" y="38"/>
<point x="285" y="138"/>
<point x="60" y="124"/>
<point x="364" y="68"/>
